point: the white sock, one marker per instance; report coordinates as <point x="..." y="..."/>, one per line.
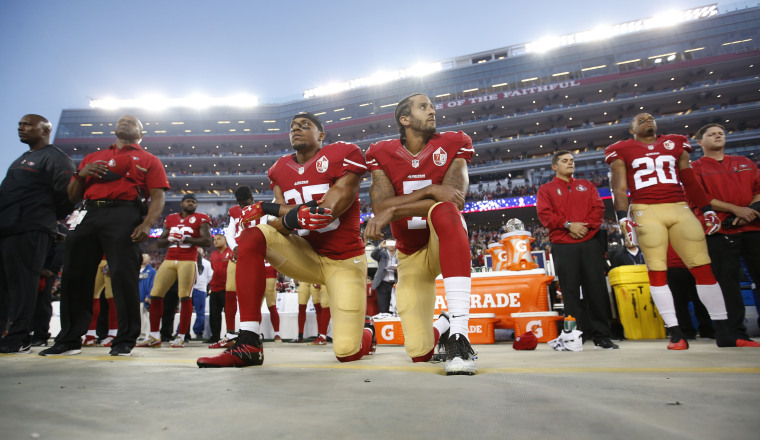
<point x="230" y="336"/>
<point x="180" y="336"/>
<point x="277" y="333"/>
<point x="441" y="324"/>
<point x="156" y="335"/>
<point x="112" y="332"/>
<point x="91" y="333"/>
<point x="458" y="301"/>
<point x="712" y="297"/>
<point x="663" y="299"/>
<point x="251" y="326"/>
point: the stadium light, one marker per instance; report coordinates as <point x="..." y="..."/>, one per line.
<point x="158" y="102"/>
<point x="378" y="78"/>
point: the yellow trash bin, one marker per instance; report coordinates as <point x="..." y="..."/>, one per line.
<point x="638" y="314"/>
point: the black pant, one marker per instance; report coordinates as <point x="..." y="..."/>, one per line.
<point x="43" y="311"/>
<point x="384" y="291"/>
<point x="103" y="230"/>
<point x="22" y="258"/>
<point x="582" y="264"/>
<point x="725" y="252"/>
<point x="171" y="301"/>
<point x="216" y="305"/>
<point x="684" y="288"/>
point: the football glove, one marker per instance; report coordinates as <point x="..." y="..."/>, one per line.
<point x="175" y="237"/>
<point x="627" y="229"/>
<point x="712" y="222"/>
<point x="251" y="213"/>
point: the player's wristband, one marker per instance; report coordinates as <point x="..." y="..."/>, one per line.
<point x="755" y="206"/>
<point x="270" y="208"/>
<point x="706" y="208"/>
<point x="290" y="220"/>
<point x="78" y="177"/>
<point x="621" y="214"/>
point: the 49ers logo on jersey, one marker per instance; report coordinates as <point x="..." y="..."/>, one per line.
<point x="322" y="164"/>
<point x="439" y="157"/>
<point x="669" y="145"/>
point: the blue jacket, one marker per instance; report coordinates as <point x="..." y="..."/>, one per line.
<point x="146" y="281"/>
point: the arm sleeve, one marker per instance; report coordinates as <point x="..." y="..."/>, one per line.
<point x="229" y="233"/>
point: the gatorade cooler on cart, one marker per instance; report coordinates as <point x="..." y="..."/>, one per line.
<point x="389" y="331"/>
<point x="543" y="324"/>
<point x="638" y="314"/>
<point x="498" y="256"/>
<point x="517" y="242"/>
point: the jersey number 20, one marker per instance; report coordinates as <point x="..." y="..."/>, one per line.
<point x="652" y="171"/>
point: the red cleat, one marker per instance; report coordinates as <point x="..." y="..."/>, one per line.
<point x="319" y="340"/>
<point x="747" y="343"/>
<point x="680" y="345"/>
<point x="239" y="355"/>
<point x="89" y="340"/>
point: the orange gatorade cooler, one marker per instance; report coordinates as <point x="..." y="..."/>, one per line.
<point x="638" y="314"/>
<point x="389" y="331"/>
<point x="542" y="324"/>
<point x="498" y="256"/>
<point x="481" y="328"/>
<point x="517" y="246"/>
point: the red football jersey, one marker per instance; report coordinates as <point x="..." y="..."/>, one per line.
<point x="409" y="173"/>
<point x="652" y="169"/>
<point x="341" y="239"/>
<point x="189" y="226"/>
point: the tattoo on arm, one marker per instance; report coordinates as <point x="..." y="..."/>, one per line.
<point x="456" y="176"/>
<point x="381" y="189"/>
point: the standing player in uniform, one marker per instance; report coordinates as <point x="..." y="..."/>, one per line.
<point x="732" y="184"/>
<point x="183" y="233"/>
<point x="316" y="192"/>
<point x="653" y="167"/>
<point x="418" y="186"/>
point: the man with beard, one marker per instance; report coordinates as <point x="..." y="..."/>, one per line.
<point x="183" y="233"/>
<point x="114" y="183"/>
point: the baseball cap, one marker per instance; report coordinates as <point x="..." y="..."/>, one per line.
<point x="118" y="167"/>
<point x="310" y="117"/>
<point x="526" y="341"/>
<point x="189" y="196"/>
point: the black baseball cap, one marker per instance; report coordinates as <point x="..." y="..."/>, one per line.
<point x="189" y="196"/>
<point x="310" y="117"/>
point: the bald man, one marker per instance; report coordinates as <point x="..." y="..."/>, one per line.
<point x="32" y="197"/>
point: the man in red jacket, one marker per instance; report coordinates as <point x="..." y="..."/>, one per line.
<point x="572" y="211"/>
<point x="732" y="184"/>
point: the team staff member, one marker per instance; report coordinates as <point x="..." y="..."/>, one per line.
<point x="418" y="186"/>
<point x="323" y="183"/>
<point x="183" y="233"/>
<point x="732" y="184"/>
<point x="653" y="168"/>
<point x="111" y="182"/>
<point x="220" y="260"/>
<point x="573" y="212"/>
<point x="32" y="197"/>
<point x="385" y="277"/>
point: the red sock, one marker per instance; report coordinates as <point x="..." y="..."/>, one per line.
<point x="363" y="350"/>
<point x="230" y="309"/>
<point x="185" y="314"/>
<point x="703" y="274"/>
<point x="113" y="322"/>
<point x="95" y="314"/>
<point x="302" y="318"/>
<point x="275" y="318"/>
<point x="155" y="312"/>
<point x="322" y="325"/>
<point x="250" y="275"/>
<point x="455" y="249"/>
<point x="429" y="355"/>
<point x="658" y="278"/>
<point x="317" y="312"/>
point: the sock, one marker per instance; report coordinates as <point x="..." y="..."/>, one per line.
<point x="712" y="297"/>
<point x="95" y="314"/>
<point x="325" y="322"/>
<point x="676" y="334"/>
<point x="436" y="337"/>
<point x="302" y="316"/>
<point x="230" y="309"/>
<point x="113" y="322"/>
<point x="275" y="318"/>
<point x="366" y="345"/>
<point x="91" y="332"/>
<point x="663" y="299"/>
<point x="155" y="313"/>
<point x="458" y="301"/>
<point x="250" y="275"/>
<point x="440" y="326"/>
<point x="250" y="326"/>
<point x="185" y="315"/>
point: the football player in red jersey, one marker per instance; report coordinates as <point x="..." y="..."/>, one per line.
<point x="733" y="185"/>
<point x="315" y="193"/>
<point x="653" y="167"/>
<point x="418" y="187"/>
<point x="183" y="233"/>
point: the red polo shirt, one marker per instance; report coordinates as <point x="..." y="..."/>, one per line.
<point x="146" y="171"/>
<point x="577" y="200"/>
<point x="734" y="180"/>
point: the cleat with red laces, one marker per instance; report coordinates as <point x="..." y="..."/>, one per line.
<point x="369" y="323"/>
<point x="681" y="344"/>
<point x="319" y="340"/>
<point x="89" y="340"/>
<point x="747" y="343"/>
<point x="246" y="352"/>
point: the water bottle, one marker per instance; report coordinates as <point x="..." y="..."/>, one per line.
<point x="569" y="324"/>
